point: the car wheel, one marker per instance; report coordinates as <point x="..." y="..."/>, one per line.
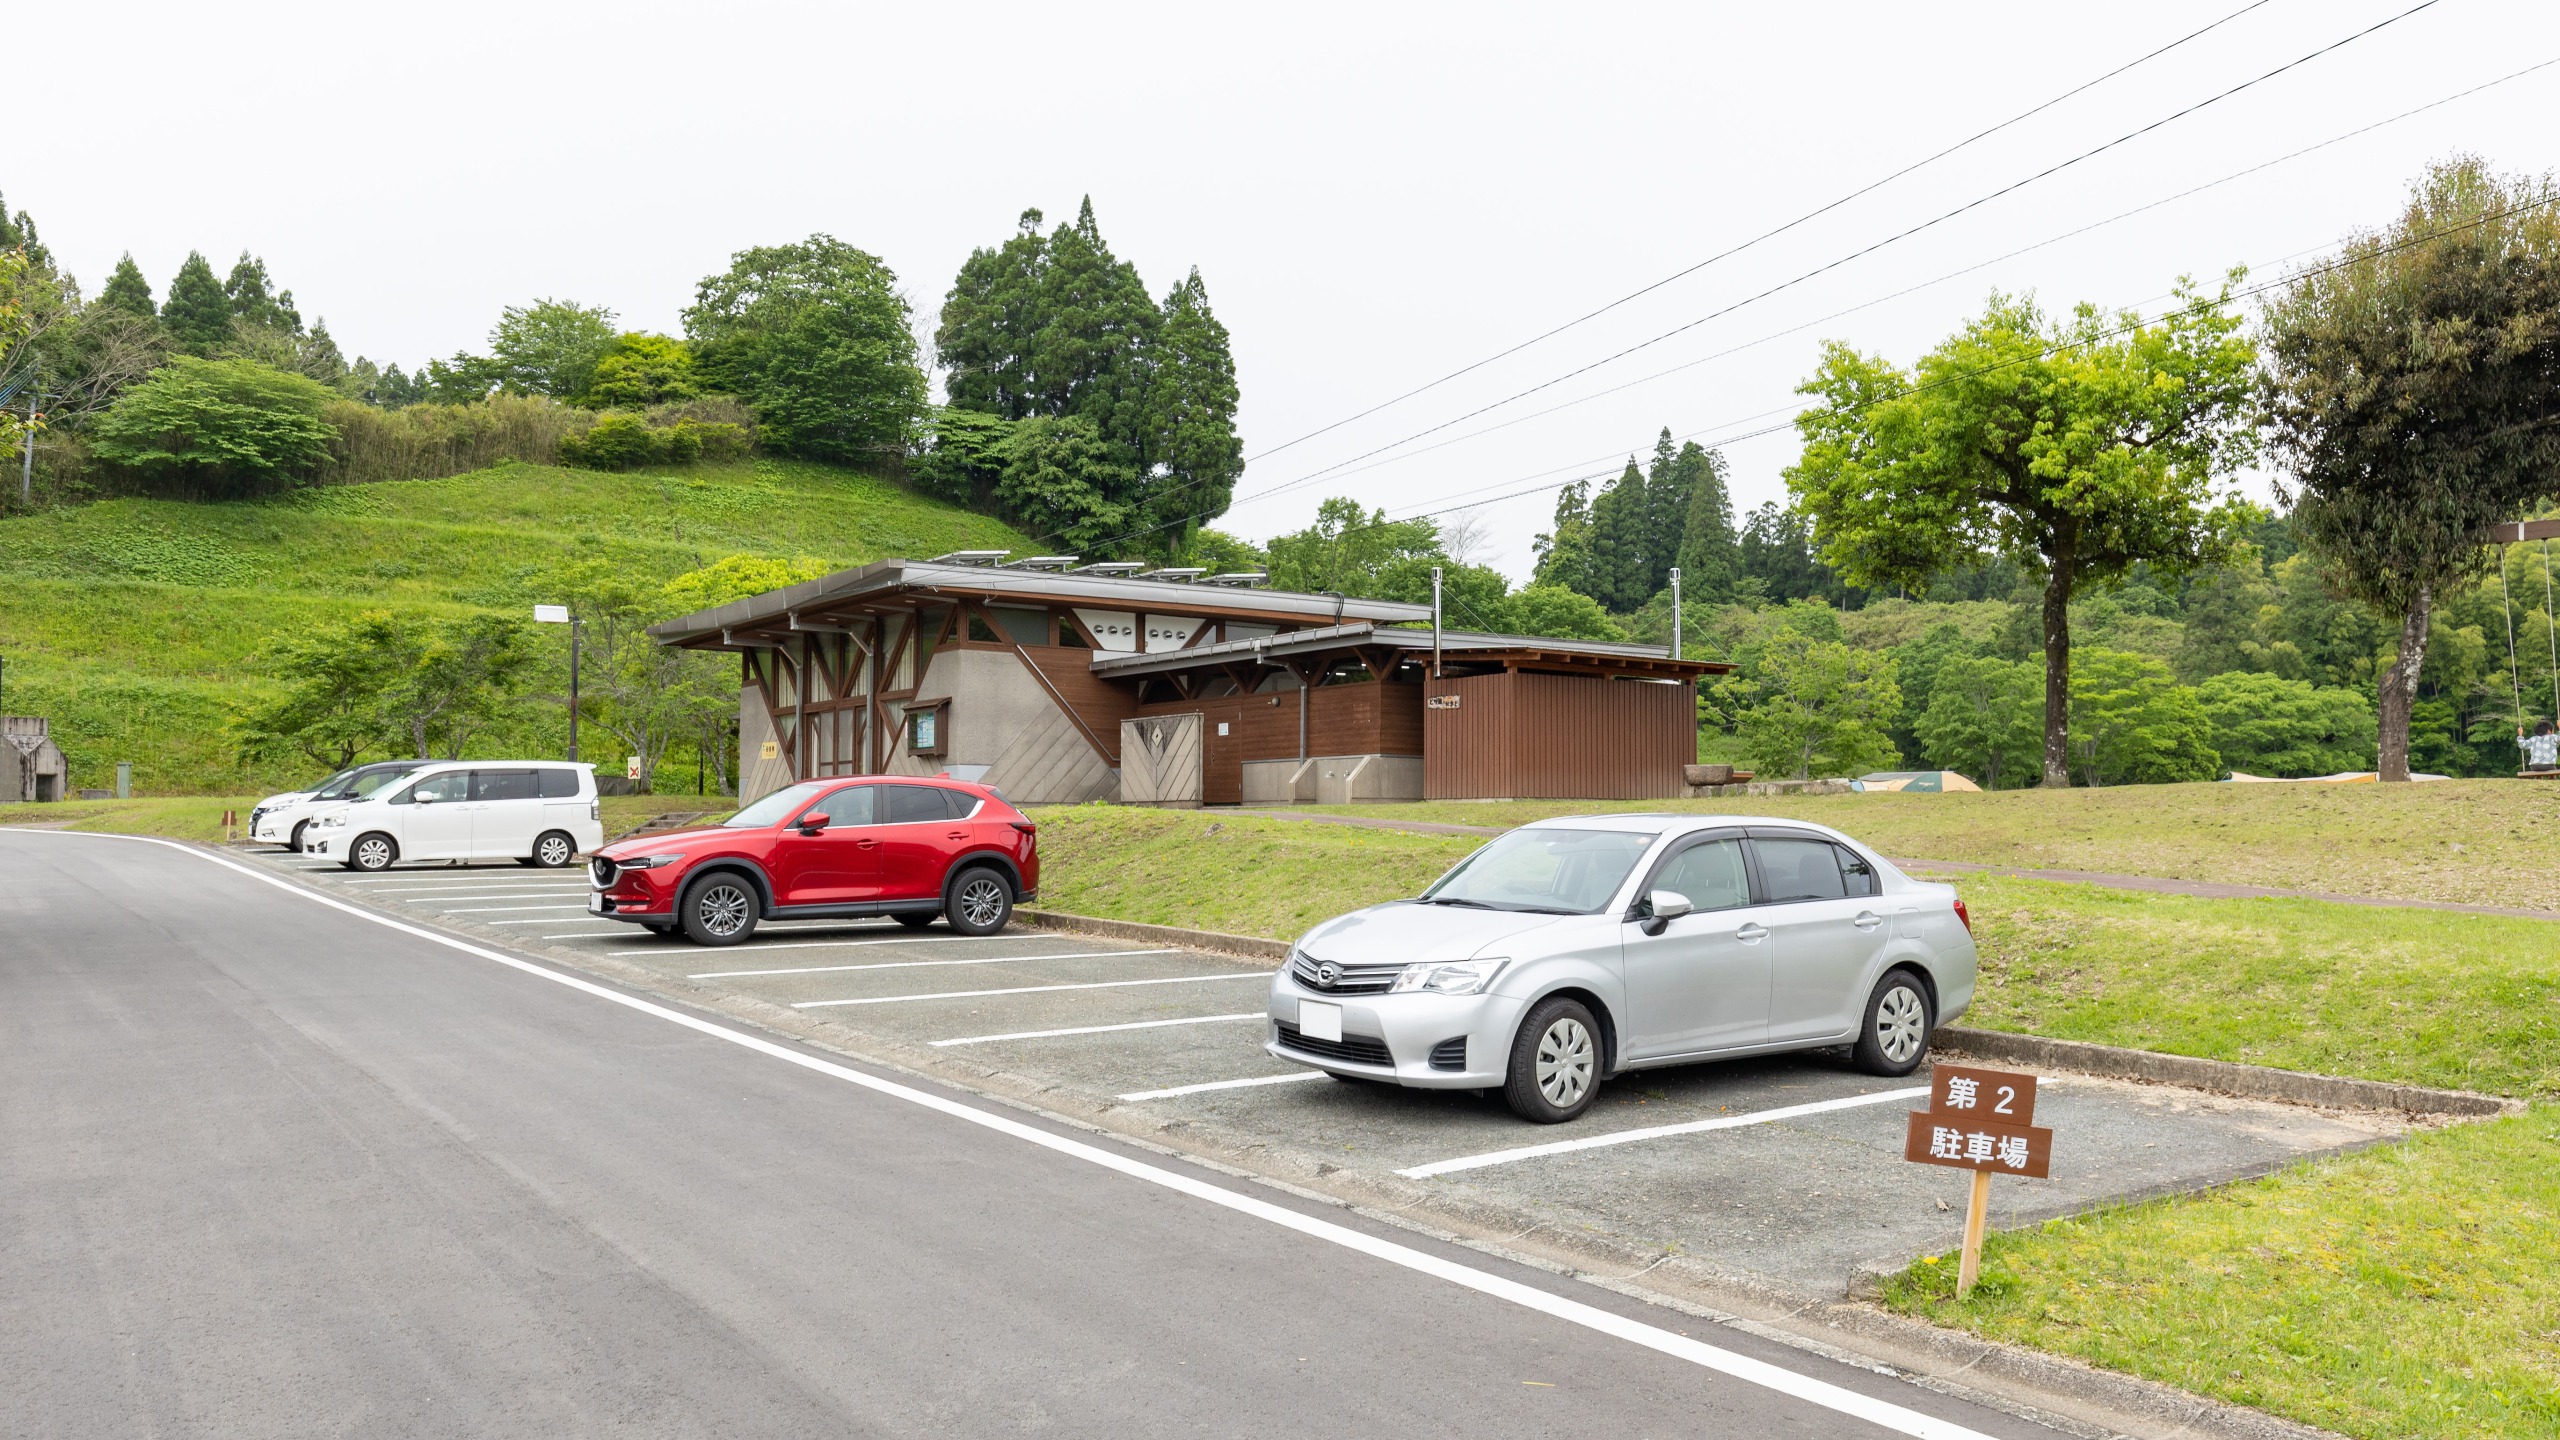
<point x="294" y="841"/>
<point x="917" y="921"/>
<point x="370" y="852"/>
<point x="980" y="902"/>
<point x="1894" y="1037"/>
<point x="718" y="909"/>
<point x="554" y="850"/>
<point x="1555" y="1063"/>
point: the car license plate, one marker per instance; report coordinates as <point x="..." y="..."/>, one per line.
<point x="1319" y="1021"/>
<point x="595" y="903"/>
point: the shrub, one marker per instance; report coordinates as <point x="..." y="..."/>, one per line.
<point x="218" y="427"/>
<point x="639" y="369"/>
<point x="427" y="442"/>
<point x="617" y="441"/>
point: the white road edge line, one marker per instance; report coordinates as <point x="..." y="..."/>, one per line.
<point x="1897" y="1418"/>
<point x="912" y="964"/>
<point x="1027" y="990"/>
<point x="840" y="944"/>
<point x="1096" y="1029"/>
<point x="1656" y="1132"/>
<point x="1225" y="1084"/>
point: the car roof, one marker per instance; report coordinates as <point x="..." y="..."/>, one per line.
<point x="1658" y="822"/>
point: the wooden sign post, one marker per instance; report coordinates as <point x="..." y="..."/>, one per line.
<point x="231" y="827"/>
<point x="1982" y="1121"/>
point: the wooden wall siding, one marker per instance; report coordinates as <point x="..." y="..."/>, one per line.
<point x="1369" y="719"/>
<point x="1099" y="703"/>
<point x="1557" y="737"/>
<point x="1160" y="760"/>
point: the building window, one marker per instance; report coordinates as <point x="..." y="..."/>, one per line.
<point x="928" y="728"/>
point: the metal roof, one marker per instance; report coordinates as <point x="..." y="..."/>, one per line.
<point x="884" y="578"/>
<point x="1457" y="644"/>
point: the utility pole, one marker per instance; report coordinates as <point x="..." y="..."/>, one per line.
<point x="1435" y="622"/>
<point x="1675" y="612"/>
<point x="27" y="458"/>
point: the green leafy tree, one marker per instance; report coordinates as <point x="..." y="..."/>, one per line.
<point x="221" y="427"/>
<point x="2132" y="723"/>
<point x="963" y="456"/>
<point x="19" y="277"/>
<point x="638" y="370"/>
<point x="19" y="233"/>
<point x="1821" y="706"/>
<point x="2080" y="448"/>
<point x="1985" y="719"/>
<point x="1057" y="480"/>
<point x="255" y="302"/>
<point x="1348" y="549"/>
<point x="452" y="681"/>
<point x="329" y="706"/>
<point x="2268" y="725"/>
<point x="197" y="313"/>
<point x="1552" y="610"/>
<point x="2412" y="385"/>
<point x="127" y="291"/>
<point x="550" y="347"/>
<point x="1565" y="552"/>
<point x="816" y="337"/>
<point x="1190" y="447"/>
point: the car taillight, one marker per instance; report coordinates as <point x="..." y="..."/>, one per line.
<point x="1025" y="826"/>
<point x="1964" y="915"/>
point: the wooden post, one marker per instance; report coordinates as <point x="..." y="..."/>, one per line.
<point x="1973" y="1224"/>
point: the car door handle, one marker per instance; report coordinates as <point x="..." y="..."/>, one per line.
<point x="1751" y="934"/>
<point x="868" y="844"/>
<point x="957" y="835"/>
<point x="1868" y="920"/>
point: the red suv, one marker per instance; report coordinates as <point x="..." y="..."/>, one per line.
<point x="824" y="848"/>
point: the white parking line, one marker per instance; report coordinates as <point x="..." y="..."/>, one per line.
<point x="581" y="935"/>
<point x="505" y="909"/>
<point x="1225" y="1085"/>
<point x="1099" y="1029"/>
<point x="910" y="964"/>
<point x="1656" y="1132"/>
<point x="527" y="894"/>
<point x="413" y="883"/>
<point x="844" y="944"/>
<point x="1028" y="990"/>
<point x="1752" y="1371"/>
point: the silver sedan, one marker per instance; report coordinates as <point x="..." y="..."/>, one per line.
<point x="1573" y="949"/>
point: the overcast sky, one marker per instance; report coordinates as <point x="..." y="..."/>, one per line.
<point x="1375" y="195"/>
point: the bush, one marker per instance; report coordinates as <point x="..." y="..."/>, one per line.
<point x="221" y="428"/>
<point x="428" y="442"/>
<point x="617" y="441"/>
<point x="638" y="370"/>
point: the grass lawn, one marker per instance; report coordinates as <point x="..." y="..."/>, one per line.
<point x="2487" y="842"/>
<point x="2407" y="1290"/>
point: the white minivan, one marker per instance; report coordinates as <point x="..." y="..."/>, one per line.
<point x="531" y="812"/>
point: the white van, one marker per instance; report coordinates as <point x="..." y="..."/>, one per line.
<point x="531" y="812"/>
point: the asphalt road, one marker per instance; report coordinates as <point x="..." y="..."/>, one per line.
<point x="271" y="1164"/>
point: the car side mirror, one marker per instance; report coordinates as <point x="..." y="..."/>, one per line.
<point x="423" y="799"/>
<point x="813" y="822"/>
<point x="1663" y="907"/>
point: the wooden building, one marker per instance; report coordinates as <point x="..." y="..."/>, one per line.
<point x="1060" y="684"/>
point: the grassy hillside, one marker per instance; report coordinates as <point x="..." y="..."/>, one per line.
<point x="136" y="624"/>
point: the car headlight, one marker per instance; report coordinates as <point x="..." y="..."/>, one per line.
<point x="330" y="821"/>
<point x="649" y="862"/>
<point x="1456" y="977"/>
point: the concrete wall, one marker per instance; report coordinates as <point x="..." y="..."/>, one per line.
<point x="1002" y="719"/>
<point x="1333" y="780"/>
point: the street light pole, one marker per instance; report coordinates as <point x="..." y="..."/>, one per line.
<point x="27" y="458"/>
<point x="559" y="615"/>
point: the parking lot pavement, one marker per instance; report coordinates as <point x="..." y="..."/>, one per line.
<point x="1785" y="1171"/>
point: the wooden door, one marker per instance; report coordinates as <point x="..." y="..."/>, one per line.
<point x="1160" y="760"/>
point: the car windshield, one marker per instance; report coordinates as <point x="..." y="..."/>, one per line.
<point x="329" y="784"/>
<point x="774" y="807"/>
<point x="363" y="786"/>
<point x="1552" y="872"/>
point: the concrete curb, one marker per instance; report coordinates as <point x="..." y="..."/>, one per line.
<point x="1252" y="947"/>
<point x="2222" y="1077"/>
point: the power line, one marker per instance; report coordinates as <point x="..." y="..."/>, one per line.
<point x="2050" y="350"/>
<point x="1819" y="270"/>
<point x="1767" y="234"/>
<point x="1967" y="270"/>
<point x="2011" y="188"/>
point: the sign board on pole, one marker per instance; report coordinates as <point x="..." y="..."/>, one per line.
<point x="551" y="614"/>
<point x="631" y="767"/>
<point x="1979" y="1120"/>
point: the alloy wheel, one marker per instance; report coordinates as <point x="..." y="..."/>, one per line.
<point x="554" y="851"/>
<point x="981" y="900"/>
<point x="1564" y="1062"/>
<point x="373" y="853"/>
<point x="1902" y="1023"/>
<point x="722" y="909"/>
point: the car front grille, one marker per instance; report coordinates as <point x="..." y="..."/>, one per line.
<point x="602" y="871"/>
<point x="1352" y="1049"/>
<point x="1347" y="980"/>
<point x="1450" y="1054"/>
